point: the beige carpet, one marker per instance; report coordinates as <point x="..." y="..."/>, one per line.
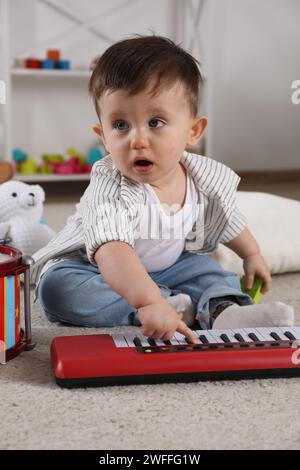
<point x="36" y="414"/>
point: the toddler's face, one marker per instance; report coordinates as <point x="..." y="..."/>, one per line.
<point x="146" y="127"/>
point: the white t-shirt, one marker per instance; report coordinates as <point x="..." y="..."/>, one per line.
<point x="160" y="238"/>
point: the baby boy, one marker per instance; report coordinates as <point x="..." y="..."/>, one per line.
<point x="137" y="249"/>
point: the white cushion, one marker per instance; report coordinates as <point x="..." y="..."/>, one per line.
<point x="275" y="223"/>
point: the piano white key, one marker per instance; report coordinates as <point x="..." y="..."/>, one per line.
<point x="216" y="335"/>
<point x="230" y="333"/>
<point x="257" y="333"/>
<point x="159" y="342"/>
<point x="144" y="339"/>
<point x="264" y="332"/>
<point x="243" y="333"/>
<point x="174" y="340"/>
<point x="296" y="330"/>
<point x="180" y="338"/>
<point x="119" y="340"/>
<point x="207" y="334"/>
<point x="129" y="338"/>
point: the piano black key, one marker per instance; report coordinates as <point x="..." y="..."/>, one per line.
<point x="151" y="341"/>
<point x="275" y="335"/>
<point x="167" y="342"/>
<point x="225" y="338"/>
<point x="203" y="339"/>
<point x="289" y="335"/>
<point x="239" y="337"/>
<point x="253" y="337"/>
<point x="137" y="341"/>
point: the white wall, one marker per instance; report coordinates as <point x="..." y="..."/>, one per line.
<point x="254" y="57"/>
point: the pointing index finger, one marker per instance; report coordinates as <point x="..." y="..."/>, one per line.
<point x="187" y="332"/>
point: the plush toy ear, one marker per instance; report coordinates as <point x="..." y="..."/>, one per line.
<point x="40" y="193"/>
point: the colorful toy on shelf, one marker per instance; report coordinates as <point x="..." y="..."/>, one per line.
<point x="73" y="162"/>
<point x="32" y="63"/>
<point x="76" y="163"/>
<point x="19" y="155"/>
<point x="52" y="158"/>
<point x="95" y="154"/>
<point x="49" y="162"/>
<point x="29" y="167"/>
<point x="72" y="166"/>
<point x="24" y="163"/>
<point x="74" y="153"/>
<point x="47" y="64"/>
<point x="53" y="54"/>
<point x="45" y="169"/>
<point x="51" y="62"/>
<point x="63" y="65"/>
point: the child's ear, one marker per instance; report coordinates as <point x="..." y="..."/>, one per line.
<point x="97" y="128"/>
<point x="197" y="129"/>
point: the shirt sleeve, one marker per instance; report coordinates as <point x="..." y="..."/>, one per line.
<point x="234" y="227"/>
<point x="222" y="221"/>
<point x="105" y="216"/>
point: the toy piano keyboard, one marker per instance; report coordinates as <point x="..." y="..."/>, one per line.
<point x="92" y="360"/>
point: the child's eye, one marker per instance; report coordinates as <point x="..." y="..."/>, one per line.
<point x="156" y="122"/>
<point x="121" y="125"/>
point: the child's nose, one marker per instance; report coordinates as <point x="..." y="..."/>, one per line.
<point x="139" y="140"/>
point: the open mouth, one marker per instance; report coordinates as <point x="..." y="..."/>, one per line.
<point x="143" y="163"/>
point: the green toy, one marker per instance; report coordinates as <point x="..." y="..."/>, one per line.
<point x="29" y="167"/>
<point x="52" y="158"/>
<point x="46" y="169"/>
<point x="255" y="291"/>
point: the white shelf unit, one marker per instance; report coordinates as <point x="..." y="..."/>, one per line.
<point x="50" y="73"/>
<point x="49" y="178"/>
<point x="48" y="111"/>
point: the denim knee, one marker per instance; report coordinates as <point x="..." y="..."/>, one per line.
<point x="77" y="295"/>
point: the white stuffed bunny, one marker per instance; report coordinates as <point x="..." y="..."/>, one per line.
<point x="21" y="211"/>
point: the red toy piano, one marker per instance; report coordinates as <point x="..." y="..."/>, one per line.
<point x="116" y="359"/>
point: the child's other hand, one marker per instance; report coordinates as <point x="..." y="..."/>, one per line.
<point x="256" y="267"/>
<point x="160" y="321"/>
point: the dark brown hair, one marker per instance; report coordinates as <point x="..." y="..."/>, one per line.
<point x="130" y="65"/>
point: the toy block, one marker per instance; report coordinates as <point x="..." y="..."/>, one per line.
<point x="48" y="64"/>
<point x="62" y="64"/>
<point x="255" y="291"/>
<point x="53" y="54"/>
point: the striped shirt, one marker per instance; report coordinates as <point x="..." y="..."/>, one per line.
<point x="110" y="209"/>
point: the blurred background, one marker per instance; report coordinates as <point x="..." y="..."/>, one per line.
<point x="249" y="55"/>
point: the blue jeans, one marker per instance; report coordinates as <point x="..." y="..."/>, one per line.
<point x="75" y="292"/>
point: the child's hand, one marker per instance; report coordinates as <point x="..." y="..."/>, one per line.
<point x="256" y="267"/>
<point x="160" y="320"/>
